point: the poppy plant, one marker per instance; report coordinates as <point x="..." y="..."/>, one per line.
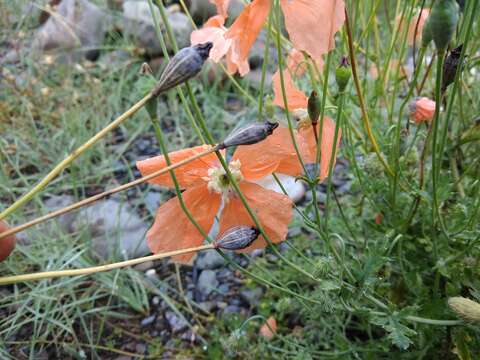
<point x="207" y="189"/>
<point x="302" y="19"/>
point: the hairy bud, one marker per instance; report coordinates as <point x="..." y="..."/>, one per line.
<point x="343" y="73"/>
<point x="237" y="238"/>
<point x="250" y="134"/>
<point x="7" y="244"/>
<point x="314" y="106"/>
<point x="443" y="21"/>
<point x="183" y="66"/>
<point x="467" y="309"/>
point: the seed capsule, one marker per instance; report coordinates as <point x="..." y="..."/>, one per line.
<point x="452" y="62"/>
<point x="250" y="134"/>
<point x="183" y="66"/>
<point x="314" y="107"/>
<point x="443" y="21"/>
<point x="237" y="238"/>
<point x="467" y="309"/>
<point x="7" y="244"/>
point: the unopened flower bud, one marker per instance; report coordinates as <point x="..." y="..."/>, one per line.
<point x="183" y="66"/>
<point x="343" y="74"/>
<point x="450" y="66"/>
<point x="443" y="21"/>
<point x="237" y="238"/>
<point x="250" y="134"/>
<point x="467" y="309"/>
<point x="7" y="244"/>
<point x="314" y="107"/>
<point x="422" y="110"/>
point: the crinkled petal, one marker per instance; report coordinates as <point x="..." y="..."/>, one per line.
<point x="214" y="32"/>
<point x="273" y="210"/>
<point x="222" y="7"/>
<point x="296" y="99"/>
<point x="312" y="24"/>
<point x="246" y="28"/>
<point x="326" y="148"/>
<point x="172" y="230"/>
<point x="233" y="63"/>
<point x="190" y="174"/>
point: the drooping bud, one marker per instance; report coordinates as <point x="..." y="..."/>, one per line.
<point x="250" y="134"/>
<point x="450" y="66"/>
<point x="422" y="109"/>
<point x="343" y="74"/>
<point x="467" y="309"/>
<point x="7" y="244"/>
<point x="314" y="106"/>
<point x="237" y="238"/>
<point x="443" y="21"/>
<point x="183" y="66"/>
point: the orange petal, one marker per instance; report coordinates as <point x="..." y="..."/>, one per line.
<point x="312" y="24"/>
<point x="296" y="99"/>
<point x="172" y="230"/>
<point x="273" y="210"/>
<point x="7" y="244"/>
<point x="246" y="28"/>
<point x="326" y="148"/>
<point x="214" y="32"/>
<point x="416" y="36"/>
<point x="297" y="64"/>
<point x="233" y="63"/>
<point x="222" y="6"/>
<point x="190" y="174"/>
<point x="269" y="329"/>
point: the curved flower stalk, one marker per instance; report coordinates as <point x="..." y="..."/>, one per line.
<point x="208" y="190"/>
<point x="302" y="19"/>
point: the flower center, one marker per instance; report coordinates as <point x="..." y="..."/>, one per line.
<point x="218" y="179"/>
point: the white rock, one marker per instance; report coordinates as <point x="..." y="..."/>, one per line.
<point x="294" y="189"/>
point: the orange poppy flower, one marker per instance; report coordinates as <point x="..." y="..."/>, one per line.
<point x="422" y="110"/>
<point x="307" y="144"/>
<point x="207" y="187"/>
<point x="269" y="328"/>
<point x="302" y="18"/>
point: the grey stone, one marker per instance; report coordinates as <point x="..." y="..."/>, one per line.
<point x="140" y="26"/>
<point x="207" y="306"/>
<point x="207" y="282"/>
<point x="232" y="309"/>
<point x="115" y="229"/>
<point x="148" y="320"/>
<point x="152" y="201"/>
<point x="176" y="323"/>
<point x="203" y="9"/>
<point x="58" y="202"/>
<point x="252" y="296"/>
<point x="210" y="260"/>
<point x="223" y="289"/>
<point x="76" y="24"/>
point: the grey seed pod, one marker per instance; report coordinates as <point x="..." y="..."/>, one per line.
<point x="183" y="66"/>
<point x="250" y="134"/>
<point x="237" y="238"/>
<point x="450" y="66"/>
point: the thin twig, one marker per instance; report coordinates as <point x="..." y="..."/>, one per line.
<point x="102" y="195"/>
<point x="95" y="269"/>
